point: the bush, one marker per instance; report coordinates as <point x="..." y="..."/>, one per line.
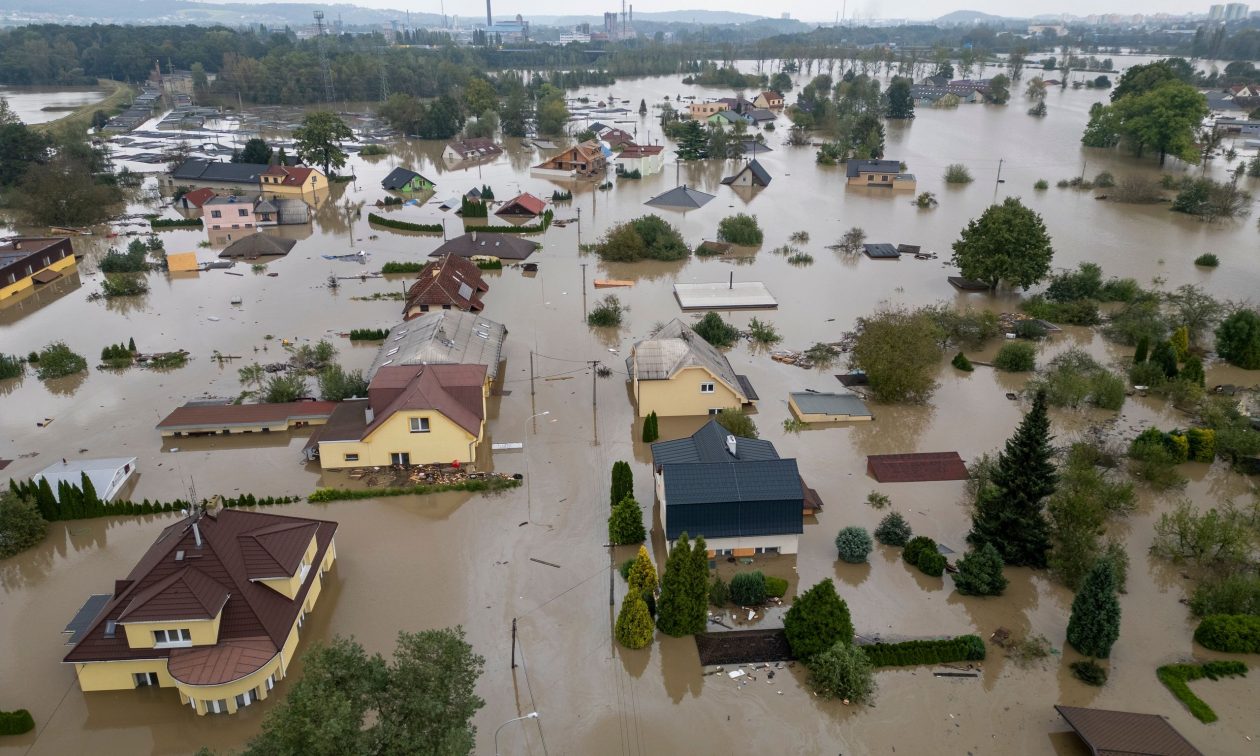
<point x="134" y="260"/>
<point x="634" y="628"/>
<point x="961" y="362"/>
<point x="607" y="313"/>
<point x="11" y="366"/>
<point x="1104" y="180"/>
<point x="853" y="544"/>
<point x="1016" y="357"/>
<point x="1030" y="329"/>
<point x="424" y="228"/>
<point x="1238" y="339"/>
<point x="368" y="334"/>
<point x="646" y="238"/>
<point x="57" y="361"/>
<point x="716" y="331"/>
<point x="1207" y="260"/>
<point x="748" y="588"/>
<point x="957" y="173"/>
<point x="926" y="201"/>
<point x="1175" y="677"/>
<point x="741" y="229"/>
<point x="625" y="523"/>
<point x="776" y="587"/>
<point x="763" y="333"/>
<point x="1079" y="312"/>
<point x="16" y="722"/>
<point x="401" y="267"/>
<point x="877" y="500"/>
<point x="1041" y="185"/>
<point x="160" y="223"/>
<point x="921" y="552"/>
<point x="893" y="530"/>
<point x="737" y="423"/>
<point x="719" y="592"/>
<point x="324" y="495"/>
<point x="842" y="671"/>
<point x="1089" y="672"/>
<point x="1231" y="633"/>
<point x="651" y="428"/>
<point x="123" y="285"/>
<point x="1073" y="378"/>
<point x="624" y="569"/>
<point x="962" y="648"/>
<point x="1228" y="594"/>
<point x="980" y="573"/>
<point x="817" y="620"/>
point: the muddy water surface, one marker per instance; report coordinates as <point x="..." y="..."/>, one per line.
<point x="455" y="559"/>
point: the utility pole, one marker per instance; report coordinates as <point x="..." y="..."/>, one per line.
<point x="329" y="94"/>
<point x="594" y="383"/>
<point x="513" y="643"/>
<point x="997" y="180"/>
<point x="584" y="312"/>
<point x="531" y="373"/>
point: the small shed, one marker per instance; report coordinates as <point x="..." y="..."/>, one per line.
<point x="181" y="262"/>
<point x="916" y="468"/>
<point x="819" y="407"/>
<point x="881" y="251"/>
<point x="1123" y="732"/>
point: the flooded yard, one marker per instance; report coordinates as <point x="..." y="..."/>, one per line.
<point x="42" y="104"/>
<point x="414" y="563"/>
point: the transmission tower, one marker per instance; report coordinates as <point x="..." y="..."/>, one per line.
<point x="329" y="94"/>
<point x="384" y="77"/>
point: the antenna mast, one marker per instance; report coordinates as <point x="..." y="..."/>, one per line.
<point x="329" y="94"/>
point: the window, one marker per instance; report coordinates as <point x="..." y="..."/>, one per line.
<point x="352" y="457"/>
<point x="707" y="388"/>
<point x="242" y="212"/>
<point x="419" y="425"/>
<point x="715" y="410"/>
<point x="244" y="699"/>
<point x="180" y="637"/>
<point x="217" y="707"/>
<point x="145" y="679"/>
<point x="400" y="458"/>
<point x="216" y="214"/>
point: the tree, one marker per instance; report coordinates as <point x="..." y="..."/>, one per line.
<point x="429" y="697"/>
<point x="643" y="109"/>
<point x="58" y="361"/>
<point x="1238" y="339"/>
<point x="485" y="126"/>
<point x="683" y="606"/>
<point x="693" y="142"/>
<point x="1015" y="62"/>
<point x="20" y="148"/>
<point x="1095" y="622"/>
<point x="442" y="119"/>
<point x="479" y="96"/>
<point x="1140" y="79"/>
<point x="741" y="229"/>
<point x="853" y="544"/>
<point x="21" y="524"/>
<point x="980" y="573"/>
<point x="634" y="622"/>
<point x="625" y="522"/>
<point x="552" y="113"/>
<point x="716" y="331"/>
<point x="1009" y="510"/>
<point x="280" y="389"/>
<point x="900" y="100"/>
<point x="899" y="350"/>
<point x="737" y="423"/>
<point x="817" y="620"/>
<point x="842" y="671"/>
<point x="622" y="482"/>
<point x="63" y="192"/>
<point x="1008" y="243"/>
<point x="780" y="82"/>
<point x="514" y="115"/>
<point x="999" y="90"/>
<point x="256" y="150"/>
<point x="338" y="385"/>
<point x="893" y="530"/>
<point x="642" y="573"/>
<point x="99" y="119"/>
<point x="318" y="140"/>
<point x="1036" y="89"/>
<point x="200" y="82"/>
<point x="651" y="428"/>
<point x="1166" y="118"/>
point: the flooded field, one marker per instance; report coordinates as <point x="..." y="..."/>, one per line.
<point x="456" y="559"/>
<point x="43" y="104"/>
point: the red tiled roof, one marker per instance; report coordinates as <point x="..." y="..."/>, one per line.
<point x="526" y="202"/>
<point x="641" y="150"/>
<point x="212" y="416"/>
<point x="252" y="610"/>
<point x="222" y="663"/>
<point x="914" y="468"/>
<point x="439" y="285"/>
<point x="293" y="175"/>
<point x="199" y="197"/>
<point x="452" y="390"/>
<point x="615" y="137"/>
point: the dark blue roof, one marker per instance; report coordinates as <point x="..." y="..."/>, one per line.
<point x="856" y="167"/>
<point x="197" y="169"/>
<point x="400" y="177"/>
<point x="733" y="499"/>
<point x="709" y="445"/>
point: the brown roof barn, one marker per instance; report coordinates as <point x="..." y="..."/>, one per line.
<point x="916" y="468"/>
<point x="450" y="282"/>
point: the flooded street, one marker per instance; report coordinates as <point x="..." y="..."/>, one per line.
<point x="411" y="564"/>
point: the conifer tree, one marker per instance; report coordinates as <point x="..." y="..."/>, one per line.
<point x="642" y="573"/>
<point x="1010" y="511"/>
<point x="622" y="482"/>
<point x="683" y="606"/>
<point x="90" y="498"/>
<point x="980" y="573"/>
<point x="45" y="501"/>
<point x="1095" y="622"/>
<point x="818" y="620"/>
<point x="131" y="345"/>
<point x="634" y="623"/>
<point x="651" y="428"/>
<point x="625" y="523"/>
<point x="1143" y="349"/>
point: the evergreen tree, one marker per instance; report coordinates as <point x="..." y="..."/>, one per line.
<point x="642" y="573"/>
<point x="651" y="428"/>
<point x="46" y="501"/>
<point x="634" y="622"/>
<point x="893" y="530"/>
<point x="625" y="523"/>
<point x="818" y="620"/>
<point x="90" y="497"/>
<point x="131" y="345"/>
<point x="1143" y="349"/>
<point x="1193" y="371"/>
<point x="1009" y="511"/>
<point x="980" y="573"/>
<point x="693" y="142"/>
<point x="1166" y="357"/>
<point x="622" y="482"/>
<point x="683" y="606"/>
<point x="1095" y="622"/>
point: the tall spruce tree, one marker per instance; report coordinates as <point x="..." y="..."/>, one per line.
<point x="683" y="606"/>
<point x="1095" y="622"/>
<point x="622" y="482"/>
<point x="1009" y="511"/>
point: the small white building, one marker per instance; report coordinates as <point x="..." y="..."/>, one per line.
<point x="108" y="476"/>
<point x="647" y="159"/>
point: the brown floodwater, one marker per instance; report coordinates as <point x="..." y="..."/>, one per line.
<point x="410" y="564"/>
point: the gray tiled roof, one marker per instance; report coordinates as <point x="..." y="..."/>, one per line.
<point x="709" y="445"/>
<point x="855" y="168"/>
<point x="444" y="337"/>
<point x="732" y="499"/>
<point x="815" y="403"/>
<point x="674" y="347"/>
<point x="683" y="197"/>
<point x="197" y="169"/>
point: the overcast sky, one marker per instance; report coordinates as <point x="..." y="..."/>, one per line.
<point x="808" y="10"/>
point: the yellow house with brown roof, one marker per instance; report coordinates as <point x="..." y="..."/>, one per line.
<point x="213" y="609"/>
<point x="294" y="181"/>
<point x="678" y="373"/>
<point x="27" y="261"/>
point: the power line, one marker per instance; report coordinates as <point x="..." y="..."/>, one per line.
<point x="533" y="706"/>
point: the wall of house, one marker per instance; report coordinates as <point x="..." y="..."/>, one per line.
<point x="819" y="417"/>
<point x="680" y="395"/>
<point x="255" y="682"/>
<point x="229" y="216"/>
<point x="119" y="675"/>
<point x="786" y="544"/>
<point x="279" y="426"/>
<point x="203" y="632"/>
<point x="25" y="282"/>
<point x="444" y="442"/>
<point x="288" y="586"/>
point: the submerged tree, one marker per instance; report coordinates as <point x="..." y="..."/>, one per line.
<point x="1008" y="243"/>
<point x="318" y="140"/>
<point x="1095" y="622"/>
<point x="683" y="606"/>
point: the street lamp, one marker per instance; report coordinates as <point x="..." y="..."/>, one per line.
<point x="531" y="715"/>
<point x="529" y="500"/>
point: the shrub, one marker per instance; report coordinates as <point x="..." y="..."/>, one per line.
<point x="737" y="423"/>
<point x="624" y="569"/>
<point x="1089" y="672"/>
<point x="1016" y="357"/>
<point x="1041" y="185"/>
<point x="123" y="285"/>
<point x="1176" y="676"/>
<point x="57" y="361"/>
<point x="1238" y="339"/>
<point x="716" y="331"/>
<point x="980" y="573"/>
<point x="921" y="552"/>
<point x="651" y="428"/>
<point x="161" y="223"/>
<point x="368" y="334"/>
<point x="634" y="627"/>
<point x="1231" y="633"/>
<point x="748" y="588"/>
<point x="893" y="530"/>
<point x="877" y="500"/>
<point x="1228" y="594"/>
<point x="925" y="201"/>
<point x="607" y="313"/>
<point x="842" y="671"/>
<point x="401" y="267"/>
<point x="741" y="229"/>
<point x="763" y="333"/>
<point x="16" y="722"/>
<point x="424" y="228"/>
<point x="11" y="366"/>
<point x="1079" y="312"/>
<point x="645" y="238"/>
<point x="957" y="173"/>
<point x="1030" y="329"/>
<point x="719" y="592"/>
<point x="776" y="587"/>
<point x="962" y="648"/>
<point x="817" y="620"/>
<point x="853" y="544"/>
<point x="134" y="260"/>
<point x="1207" y="260"/>
<point x="1104" y="180"/>
<point x="280" y="389"/>
<point x="800" y="259"/>
<point x="1074" y="378"/>
<point x="625" y="523"/>
<point x="961" y="362"/>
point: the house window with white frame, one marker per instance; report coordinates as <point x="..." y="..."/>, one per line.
<point x="168" y="638"/>
<point x="419" y="425"/>
<point x="707" y="387"/>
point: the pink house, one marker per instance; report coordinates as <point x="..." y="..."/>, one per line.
<point x="229" y="212"/>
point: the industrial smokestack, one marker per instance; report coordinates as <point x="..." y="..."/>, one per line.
<point x="632" y="15"/>
<point x="489" y="17"/>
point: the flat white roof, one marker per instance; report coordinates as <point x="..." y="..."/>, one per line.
<point x="724" y="296"/>
<point x="107" y="475"/>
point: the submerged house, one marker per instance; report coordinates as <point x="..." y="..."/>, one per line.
<point x="487" y="245"/>
<point x="878" y="173"/>
<point x="676" y="373"/>
<point x="444" y="337"/>
<point x="476" y="148"/>
<point x="29" y="260"/>
<point x="108" y="476"/>
<point x="523" y="205"/>
<point x="213" y="609"/>
<point x="448" y="283"/>
<point x="769" y="99"/>
<point x="736" y="492"/>
<point x="404" y="180"/>
<point x="752" y="174"/>
<point x="586" y="160"/>
<point x="647" y="159"/>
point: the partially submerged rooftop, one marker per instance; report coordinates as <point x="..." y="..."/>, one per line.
<point x="675" y="346"/>
<point x="724" y="295"/>
<point x="445" y="337"/>
<point x="1123" y="733"/>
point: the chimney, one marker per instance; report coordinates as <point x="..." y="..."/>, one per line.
<point x="731" y="445"/>
<point x="368" y="415"/>
<point x="474" y="236"/>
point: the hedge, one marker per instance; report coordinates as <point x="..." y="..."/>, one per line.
<point x="368" y="334"/>
<point x="424" y="228"/>
<point x="16" y="722"/>
<point x="1232" y="633"/>
<point x="1175" y="676"/>
<point x="82" y="503"/>
<point x="175" y="223"/>
<point x="534" y="228"/>
<point x="343" y="494"/>
<point x="962" y="648"/>
<point x="401" y="267"/>
<point x="921" y="552"/>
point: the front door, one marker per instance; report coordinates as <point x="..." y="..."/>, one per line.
<point x="400" y="458"/>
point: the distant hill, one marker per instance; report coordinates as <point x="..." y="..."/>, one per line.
<point x="967" y="17"/>
<point x="662" y="17"/>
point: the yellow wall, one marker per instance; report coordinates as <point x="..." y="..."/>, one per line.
<point x="444" y="442"/>
<point x="681" y="395"/>
<point x="309" y="191"/>
<point x="203" y="632"/>
<point x="94" y="676"/>
<point x="256" y="681"/>
<point x="22" y="284"/>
